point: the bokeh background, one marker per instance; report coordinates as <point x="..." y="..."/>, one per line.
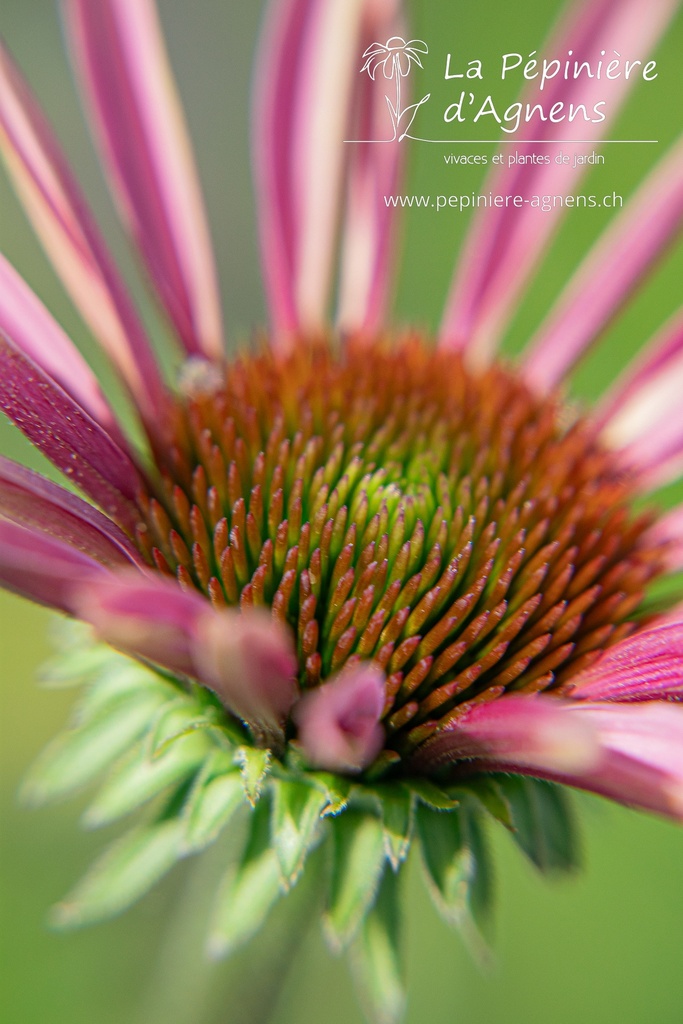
<point x="604" y="946"/>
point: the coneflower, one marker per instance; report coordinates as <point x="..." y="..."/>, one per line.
<point x="375" y="585"/>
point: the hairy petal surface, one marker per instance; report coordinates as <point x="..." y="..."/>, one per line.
<point x="245" y="657"/>
<point x="42" y="568"/>
<point x="66" y="228"/>
<point x="67" y="435"/>
<point x="504" y="244"/>
<point x="339" y="722"/>
<point x="146" y="152"/>
<point x="646" y="666"/>
<point x="609" y="274"/>
<point x="31" y="500"/>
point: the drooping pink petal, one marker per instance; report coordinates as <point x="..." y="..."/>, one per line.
<point x="532" y="734"/>
<point x="610" y="273"/>
<point x="42" y="568"/>
<point x="30" y="500"/>
<point x="504" y="244"/>
<point x="67" y="435"/>
<point x="308" y="71"/>
<point x="146" y="151"/>
<point x="339" y="722"/>
<point x="368" y="243"/>
<point x="247" y="658"/>
<point x="632" y="753"/>
<point x="25" y="319"/>
<point x="640" y="414"/>
<point x="646" y="666"/>
<point x="66" y="228"/>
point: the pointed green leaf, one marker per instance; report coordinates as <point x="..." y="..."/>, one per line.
<point x="121" y="876"/>
<point x="432" y="795"/>
<point x="336" y="789"/>
<point x="74" y="667"/>
<point x="358" y="856"/>
<point x="119" y="682"/>
<point x="177" y="719"/>
<point x="295" y="823"/>
<point x="398" y="805"/>
<point x="76" y="757"/>
<point x="211" y="805"/>
<point x="543" y="822"/>
<point x="458" y="870"/>
<point x="141" y="779"/>
<point x="249" y="890"/>
<point x="490" y="794"/>
<point x="376" y="957"/>
<point x="254" y="766"/>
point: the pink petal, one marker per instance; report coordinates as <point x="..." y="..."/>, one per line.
<point x="374" y="171"/>
<point x="42" y="568"/>
<point x="139" y="125"/>
<point x="32" y="501"/>
<point x="338" y="722"/>
<point x="504" y="244"/>
<point x="309" y="60"/>
<point x="68" y="436"/>
<point x="247" y="658"/>
<point x="669" y="530"/>
<point x="65" y="226"/>
<point x="632" y="753"/>
<point x="610" y="273"/>
<point x="527" y="734"/>
<point x="25" y="319"/>
<point x="646" y="666"/>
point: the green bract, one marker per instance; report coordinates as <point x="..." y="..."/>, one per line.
<point x="166" y="749"/>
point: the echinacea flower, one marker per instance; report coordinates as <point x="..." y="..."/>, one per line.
<point x="359" y="575"/>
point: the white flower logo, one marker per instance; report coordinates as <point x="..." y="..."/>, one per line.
<point x="396" y="57"/>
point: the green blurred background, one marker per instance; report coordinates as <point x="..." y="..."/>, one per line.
<point x="605" y="946"/>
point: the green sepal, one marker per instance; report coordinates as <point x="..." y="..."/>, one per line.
<point x="141" y="779"/>
<point x="215" y="797"/>
<point x="357" y="860"/>
<point x="458" y="870"/>
<point x="254" y="764"/>
<point x="75" y="757"/>
<point x="375" y="956"/>
<point x="489" y="792"/>
<point x="336" y="789"/>
<point x="124" y="873"/>
<point x="248" y="891"/>
<point x="74" y="667"/>
<point x="295" y="825"/>
<point x="543" y="822"/>
<point x="432" y="795"/>
<point x="177" y="719"/>
<point x="398" y="811"/>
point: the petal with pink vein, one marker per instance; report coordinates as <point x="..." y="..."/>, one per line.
<point x="65" y="226"/>
<point x="609" y="274"/>
<point x="146" y="152"/>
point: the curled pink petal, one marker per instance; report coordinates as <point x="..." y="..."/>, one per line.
<point x="245" y="657"/>
<point x="339" y="722"/>
<point x="309" y="61"/>
<point x="42" y="568"/>
<point x="66" y="228"/>
<point x="610" y="273"/>
<point x="138" y="122"/>
<point x="68" y="436"/>
<point x="645" y="666"/>
<point x="32" y="501"/>
<point x="504" y="244"/>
